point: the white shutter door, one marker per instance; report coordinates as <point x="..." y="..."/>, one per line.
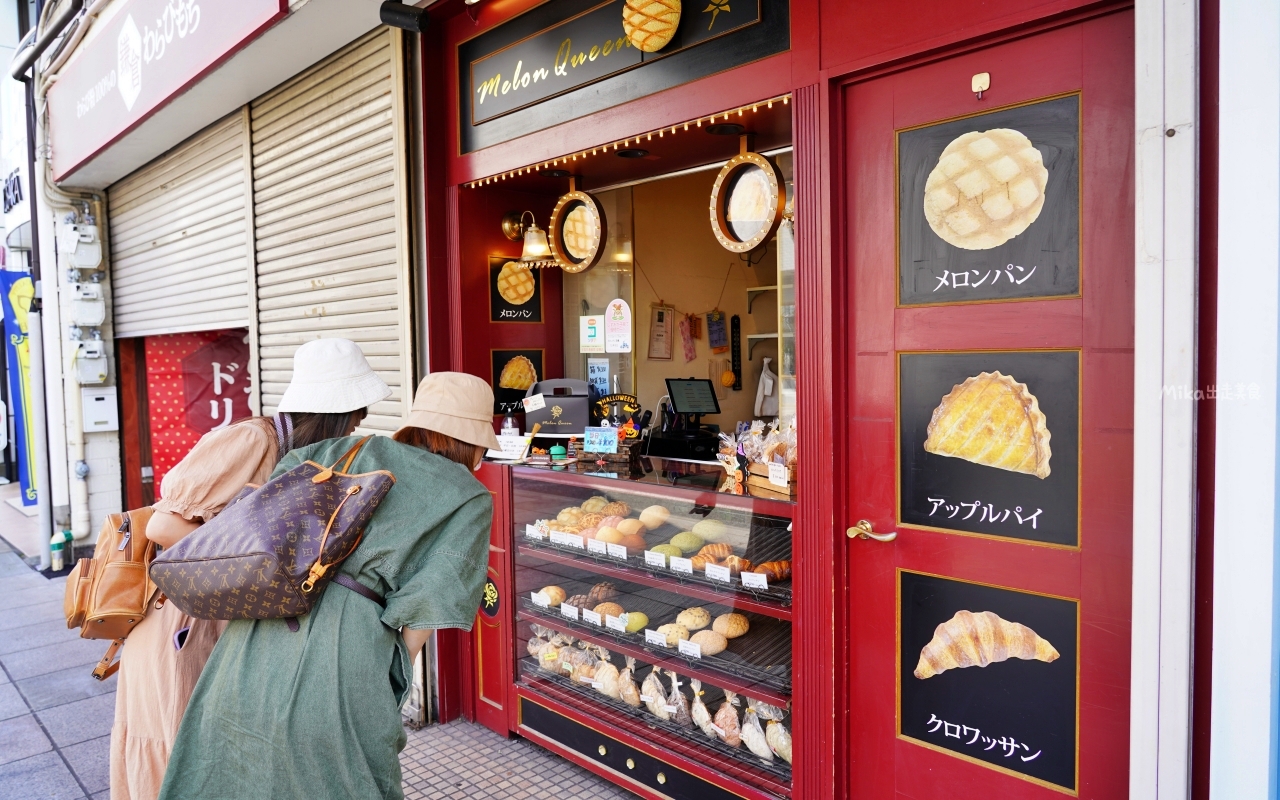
<point x="179" y="237"/>
<point x="330" y="217"/>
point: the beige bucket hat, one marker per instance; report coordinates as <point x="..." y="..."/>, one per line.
<point x="455" y="404"/>
<point x="331" y="376"/>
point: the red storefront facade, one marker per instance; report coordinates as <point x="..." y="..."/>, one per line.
<point x="855" y="83"/>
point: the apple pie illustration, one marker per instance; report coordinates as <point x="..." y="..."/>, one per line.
<point x="976" y="640"/>
<point x="519" y="373"/>
<point x="992" y="420"/>
<point x="987" y="188"/>
<point x="515" y="283"/>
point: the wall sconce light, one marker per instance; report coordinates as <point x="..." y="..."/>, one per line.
<point x="536" y="247"/>
<point x="398" y="15"/>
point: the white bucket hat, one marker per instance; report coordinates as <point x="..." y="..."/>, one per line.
<point x="455" y="404"/>
<point x="331" y="376"/>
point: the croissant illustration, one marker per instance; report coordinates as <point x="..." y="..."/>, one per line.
<point x="968" y="640"/>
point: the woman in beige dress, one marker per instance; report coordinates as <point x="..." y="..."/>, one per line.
<point x="331" y="390"/>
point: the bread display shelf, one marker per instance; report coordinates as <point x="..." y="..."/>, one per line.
<point x="727" y="670"/>
<point x="764" y="602"/>
<point x="533" y="676"/>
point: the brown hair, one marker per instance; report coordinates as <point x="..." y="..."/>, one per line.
<point x="312" y="428"/>
<point x="464" y="453"/>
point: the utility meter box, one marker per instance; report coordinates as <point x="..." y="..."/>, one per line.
<point x="88" y="309"/>
<point x="81" y="244"/>
<point x="100" y="411"/>
<point x="91" y="362"/>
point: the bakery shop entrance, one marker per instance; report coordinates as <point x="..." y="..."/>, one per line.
<point x="989" y="346"/>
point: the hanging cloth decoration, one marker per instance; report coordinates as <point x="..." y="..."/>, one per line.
<point x="686" y="338"/>
<point x="767" y="393"/>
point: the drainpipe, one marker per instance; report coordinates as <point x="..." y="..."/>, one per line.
<point x="35" y="340"/>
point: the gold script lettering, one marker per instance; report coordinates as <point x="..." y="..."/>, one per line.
<point x="489" y="87"/>
<point x="608" y="48"/>
<point x="562" y="57"/>
<point x="595" y="51"/>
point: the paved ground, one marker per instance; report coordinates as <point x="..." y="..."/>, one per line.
<point x="55" y="720"/>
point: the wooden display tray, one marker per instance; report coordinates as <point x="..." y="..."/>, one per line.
<point x="759" y="485"/>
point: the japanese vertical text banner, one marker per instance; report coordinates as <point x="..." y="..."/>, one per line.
<point x="16" y="291"/>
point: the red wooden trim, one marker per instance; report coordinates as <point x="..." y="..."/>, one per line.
<point x="618" y="728"/>
<point x="818" y="718"/>
<point x="740" y="601"/>
<point x="1206" y="376"/>
<point x="436" y="315"/>
<point x="712" y="675"/>
<point x="453" y="223"/>
<point x="132" y="364"/>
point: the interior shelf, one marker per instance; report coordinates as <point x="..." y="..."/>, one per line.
<point x="755" y="291"/>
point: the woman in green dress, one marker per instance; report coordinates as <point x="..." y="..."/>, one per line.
<point x="316" y="714"/>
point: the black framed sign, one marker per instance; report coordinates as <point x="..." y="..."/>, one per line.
<point x="989" y="206"/>
<point x="514" y="371"/>
<point x="564" y="60"/>
<point x="989" y="674"/>
<point x="515" y="291"/>
<point x="989" y="443"/>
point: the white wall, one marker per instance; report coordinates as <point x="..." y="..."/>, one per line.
<point x="1244" y="603"/>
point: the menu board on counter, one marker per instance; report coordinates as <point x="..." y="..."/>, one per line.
<point x="989" y="206"/>
<point x="1016" y="709"/>
<point x="989" y="443"/>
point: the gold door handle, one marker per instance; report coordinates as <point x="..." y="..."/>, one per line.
<point x="863" y="530"/>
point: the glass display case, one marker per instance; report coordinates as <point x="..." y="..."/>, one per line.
<point x="661" y="609"/>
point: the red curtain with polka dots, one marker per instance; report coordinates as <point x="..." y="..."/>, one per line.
<point x="196" y="382"/>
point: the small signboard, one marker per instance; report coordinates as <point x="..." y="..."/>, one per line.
<point x="515" y="291"/>
<point x="600" y="440"/>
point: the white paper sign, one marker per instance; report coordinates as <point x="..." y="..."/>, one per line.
<point x="598" y="374"/>
<point x="597" y="546"/>
<point x="533" y="533"/>
<point x="655" y="559"/>
<point x="569" y="611"/>
<point x="618" y="624"/>
<point x="653" y="637"/>
<point x="534" y="402"/>
<point x="590" y="616"/>
<point x="644" y="698"/>
<point x="511" y="448"/>
<point x="541" y="600"/>
<point x="717" y="729"/>
<point x="617" y="327"/>
<point x="591" y="334"/>
<point x="779" y="475"/>
<point x="684" y="565"/>
<point x="755" y="580"/>
<point x="671" y="709"/>
<point x="716" y="572"/>
<point x="574" y="540"/>
<point x="691" y="649"/>
<point x="617" y="551"/>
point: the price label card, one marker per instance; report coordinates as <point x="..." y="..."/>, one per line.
<point x="511" y="448"/>
<point x="541" y="600"/>
<point x="618" y="624"/>
<point x="755" y="580"/>
<point x="684" y="565"/>
<point x="655" y="638"/>
<point x="557" y="537"/>
<point x="655" y="559"/>
<point x="779" y="475"/>
<point x="717" y="729"/>
<point x="644" y="698"/>
<point x="566" y="666"/>
<point x="574" y="540"/>
<point x="617" y="551"/>
<point x="590" y="616"/>
<point x="671" y="709"/>
<point x="716" y="572"/>
<point x="595" y="684"/>
<point x="569" y="611"/>
<point x="600" y="440"/>
<point x="597" y="546"/>
<point x="533" y="533"/>
<point x="691" y="649"/>
<point x="534" y="403"/>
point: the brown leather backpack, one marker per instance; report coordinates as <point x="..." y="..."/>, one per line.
<point x="108" y="595"/>
<point x="274" y="548"/>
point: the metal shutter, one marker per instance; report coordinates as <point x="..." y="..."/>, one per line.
<point x="179" y="233"/>
<point x="330" y="200"/>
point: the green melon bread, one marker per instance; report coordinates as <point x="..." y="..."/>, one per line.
<point x="688" y="542"/>
<point x="668" y="550"/>
<point x="712" y="530"/>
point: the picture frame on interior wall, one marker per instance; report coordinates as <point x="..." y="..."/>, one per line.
<point x="661" y="331"/>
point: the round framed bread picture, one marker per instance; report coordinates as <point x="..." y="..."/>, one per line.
<point x="577" y="232"/>
<point x="747" y="201"/>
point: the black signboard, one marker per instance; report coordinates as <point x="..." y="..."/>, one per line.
<point x="515" y="291"/>
<point x="979" y="218"/>
<point x="568" y="58"/>
<point x="1018" y="715"/>
<point x="514" y="371"/>
<point x="1004" y="455"/>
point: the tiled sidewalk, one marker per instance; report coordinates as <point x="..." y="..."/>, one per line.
<point x="55" y="720"/>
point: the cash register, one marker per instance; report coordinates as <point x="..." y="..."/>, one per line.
<point x="682" y="435"/>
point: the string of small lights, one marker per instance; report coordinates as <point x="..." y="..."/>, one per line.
<point x="634" y="141"/>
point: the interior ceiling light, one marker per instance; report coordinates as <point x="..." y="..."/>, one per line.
<point x="726" y="129"/>
<point x="398" y="15"/>
<point x="558" y="173"/>
<point x="632" y="152"/>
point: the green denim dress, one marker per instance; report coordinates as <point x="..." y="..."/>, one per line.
<point x="316" y="714"/>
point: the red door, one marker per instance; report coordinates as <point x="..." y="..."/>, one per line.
<point x="989" y="255"/>
<point x="491" y="640"/>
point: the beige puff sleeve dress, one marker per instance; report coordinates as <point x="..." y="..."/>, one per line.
<point x="156" y="678"/>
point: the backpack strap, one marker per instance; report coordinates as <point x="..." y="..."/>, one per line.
<point x="327" y="473"/>
<point x="108" y="665"/>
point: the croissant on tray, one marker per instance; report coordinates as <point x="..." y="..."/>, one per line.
<point x="976" y="640"/>
<point x="737" y="565"/>
<point x="775" y="570"/>
<point x="716" y="550"/>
